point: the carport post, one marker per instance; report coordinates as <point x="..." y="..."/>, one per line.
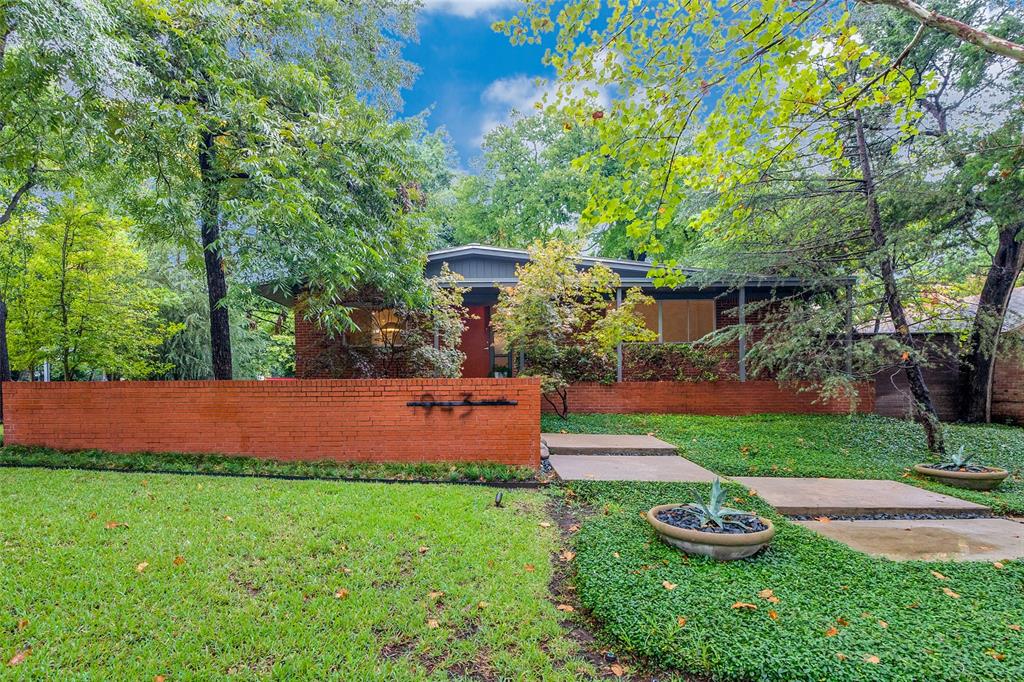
<point x="743" y="334"/>
<point x="618" y="348"/>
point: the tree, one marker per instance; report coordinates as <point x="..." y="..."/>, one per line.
<point x="710" y="98"/>
<point x="85" y="305"/>
<point x="562" y="318"/>
<point x="263" y="125"/>
<point x="60" y="65"/>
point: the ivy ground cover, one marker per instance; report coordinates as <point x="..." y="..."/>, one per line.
<point x="859" y="446"/>
<point x="148" y="576"/>
<point x="806" y="609"/>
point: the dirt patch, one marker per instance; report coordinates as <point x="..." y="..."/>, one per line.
<point x="581" y="626"/>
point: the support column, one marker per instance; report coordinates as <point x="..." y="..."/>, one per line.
<point x="743" y="334"/>
<point x="849" y="329"/>
<point x="618" y="349"/>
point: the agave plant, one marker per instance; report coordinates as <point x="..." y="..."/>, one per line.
<point x="715" y="513"/>
<point x="958" y="460"/>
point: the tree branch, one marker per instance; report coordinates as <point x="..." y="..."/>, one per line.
<point x="956" y="28"/>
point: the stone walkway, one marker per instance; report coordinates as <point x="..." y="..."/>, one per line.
<point x="929" y="539"/>
<point x="606" y="444"/>
<point x="965" y="535"/>
<point x="672" y="469"/>
<point x="854" y="497"/>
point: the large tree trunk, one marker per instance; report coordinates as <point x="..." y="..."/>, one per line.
<point x="924" y="409"/>
<point x="978" y="366"/>
<point x="216" y="280"/>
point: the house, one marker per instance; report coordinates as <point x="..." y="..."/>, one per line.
<point x="678" y="315"/>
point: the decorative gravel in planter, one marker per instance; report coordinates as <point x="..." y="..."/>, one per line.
<point x="688" y="517"/>
<point x="971" y="477"/>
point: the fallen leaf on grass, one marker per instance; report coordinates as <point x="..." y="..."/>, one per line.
<point x="950" y="593"/>
<point x="668" y="586"/>
<point x="178" y="560"/>
<point x="566" y="608"/>
<point x="773" y="615"/>
<point x="435" y="594"/>
<point x="573" y="528"/>
<point x="229" y="519"/>
<point x="23" y="623"/>
<point x="995" y="654"/>
<point x="617" y="669"/>
<point x="872" y="659"/>
<point x="529" y="568"/>
<point x="346" y="570"/>
<point x="883" y="623"/>
<point x="744" y="605"/>
<point x="19" y="658"/>
<point x="424" y="550"/>
<point x="998" y="564"/>
<point x="764" y="594"/>
<point x="939" y="575"/>
<point x="142" y="567"/>
<point x="681" y="620"/>
<point x="111" y="525"/>
<point x="544" y="524"/>
<point x="159" y="678"/>
<point x="841" y="656"/>
<point x="1015" y="627"/>
<point x="842" y="621"/>
<point x="342" y="594"/>
<point x="432" y="623"/>
<point x="568" y="555"/>
<point x="615" y="554"/>
<point x="482" y="605"/>
<point x="832" y="631"/>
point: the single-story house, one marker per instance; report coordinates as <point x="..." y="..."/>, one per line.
<point x="678" y="315"/>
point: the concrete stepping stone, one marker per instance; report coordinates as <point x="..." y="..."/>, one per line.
<point x="672" y="469"/>
<point x="929" y="539"/>
<point x="854" y="497"/>
<point x="605" y="444"/>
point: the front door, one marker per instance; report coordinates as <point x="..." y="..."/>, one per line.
<point x="476" y="343"/>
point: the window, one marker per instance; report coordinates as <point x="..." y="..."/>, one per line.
<point x="679" y="320"/>
<point x="375" y="328"/>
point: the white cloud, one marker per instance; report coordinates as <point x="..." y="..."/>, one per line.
<point x="467" y="8"/>
<point x="519" y="94"/>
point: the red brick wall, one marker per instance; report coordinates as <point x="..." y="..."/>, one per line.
<point x="1008" y="390"/>
<point x="713" y="397"/>
<point x="344" y="420"/>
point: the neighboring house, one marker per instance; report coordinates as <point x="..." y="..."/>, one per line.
<point x="679" y="315"/>
<point x="942" y="325"/>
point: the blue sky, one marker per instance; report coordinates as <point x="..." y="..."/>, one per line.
<point x="470" y="76"/>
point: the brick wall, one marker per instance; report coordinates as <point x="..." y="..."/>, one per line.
<point x="713" y="398"/>
<point x="1008" y="390"/>
<point x="319" y="355"/>
<point x="344" y="420"/>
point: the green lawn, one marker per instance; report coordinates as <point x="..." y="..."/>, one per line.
<point x="806" y="445"/>
<point x="133" y="576"/>
<point x="840" y="614"/>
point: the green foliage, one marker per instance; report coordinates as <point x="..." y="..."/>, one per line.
<point x="562" y="317"/>
<point x="855" y="446"/>
<point x="182" y="463"/>
<point x="673" y="362"/>
<point x="831" y="600"/>
<point x="84" y="303"/>
<point x="267" y="562"/>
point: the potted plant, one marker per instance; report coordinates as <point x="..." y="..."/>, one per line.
<point x="712" y="529"/>
<point x="959" y="472"/>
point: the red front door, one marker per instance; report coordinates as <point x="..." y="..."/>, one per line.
<point x="476" y="343"/>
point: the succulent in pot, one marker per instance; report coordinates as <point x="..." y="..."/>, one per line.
<point x="958" y="471"/>
<point x="710" y="528"/>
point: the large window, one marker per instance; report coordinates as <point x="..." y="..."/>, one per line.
<point x="678" y="320"/>
<point x="375" y="328"/>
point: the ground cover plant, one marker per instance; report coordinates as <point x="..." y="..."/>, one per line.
<point x="14" y="455"/>
<point x="120" y="576"/>
<point x="840" y="446"/>
<point x="807" y="608"/>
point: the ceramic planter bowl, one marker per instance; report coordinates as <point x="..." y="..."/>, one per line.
<point x="719" y="546"/>
<point x="972" y="480"/>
